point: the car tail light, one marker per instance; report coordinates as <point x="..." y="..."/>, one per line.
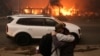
<point x="79" y="31"/>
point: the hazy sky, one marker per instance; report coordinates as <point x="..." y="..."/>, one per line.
<point x="38" y="3"/>
<point x="43" y="3"/>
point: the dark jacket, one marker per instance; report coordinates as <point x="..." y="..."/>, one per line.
<point x="67" y="49"/>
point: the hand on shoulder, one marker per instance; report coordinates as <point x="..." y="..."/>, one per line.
<point x="53" y="33"/>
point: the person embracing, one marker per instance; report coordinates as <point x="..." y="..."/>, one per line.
<point x="63" y="43"/>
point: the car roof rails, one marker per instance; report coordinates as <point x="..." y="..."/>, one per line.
<point x="31" y="15"/>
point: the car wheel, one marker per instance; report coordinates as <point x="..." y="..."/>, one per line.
<point x="23" y="39"/>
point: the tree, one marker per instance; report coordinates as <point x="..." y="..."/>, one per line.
<point x="55" y="3"/>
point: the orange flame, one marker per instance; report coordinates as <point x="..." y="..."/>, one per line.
<point x="65" y="12"/>
<point x="56" y="11"/>
<point x="26" y="11"/>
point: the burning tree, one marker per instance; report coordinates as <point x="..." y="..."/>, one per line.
<point x="55" y="3"/>
<point x="59" y="9"/>
<point x="52" y="3"/>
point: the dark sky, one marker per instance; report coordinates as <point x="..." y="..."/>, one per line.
<point x="88" y="4"/>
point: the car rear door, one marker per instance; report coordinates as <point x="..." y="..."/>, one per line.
<point x="42" y="26"/>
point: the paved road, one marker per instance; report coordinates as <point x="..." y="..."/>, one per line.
<point x="90" y="35"/>
<point x="81" y="50"/>
<point x="90" y="30"/>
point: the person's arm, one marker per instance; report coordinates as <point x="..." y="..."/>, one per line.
<point x="62" y="37"/>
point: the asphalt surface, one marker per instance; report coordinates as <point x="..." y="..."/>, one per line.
<point x="90" y="29"/>
<point x="90" y="36"/>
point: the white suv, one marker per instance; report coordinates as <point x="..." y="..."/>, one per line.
<point x="24" y="27"/>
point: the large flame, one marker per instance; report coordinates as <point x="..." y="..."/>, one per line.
<point x="65" y="11"/>
<point x="56" y="11"/>
<point x="27" y="11"/>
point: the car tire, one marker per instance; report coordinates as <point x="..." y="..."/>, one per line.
<point x="23" y="39"/>
<point x="76" y="37"/>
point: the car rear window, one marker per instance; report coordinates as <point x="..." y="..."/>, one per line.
<point x="30" y="21"/>
<point x="9" y="19"/>
<point x="50" y="22"/>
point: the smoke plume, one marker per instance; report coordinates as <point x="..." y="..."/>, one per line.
<point x="55" y="3"/>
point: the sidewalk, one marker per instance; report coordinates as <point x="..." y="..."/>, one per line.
<point x="89" y="53"/>
<point x="82" y="50"/>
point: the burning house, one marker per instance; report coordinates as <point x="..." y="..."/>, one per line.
<point x="51" y="7"/>
<point x="55" y="7"/>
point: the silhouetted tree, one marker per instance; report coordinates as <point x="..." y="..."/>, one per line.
<point x="55" y="3"/>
